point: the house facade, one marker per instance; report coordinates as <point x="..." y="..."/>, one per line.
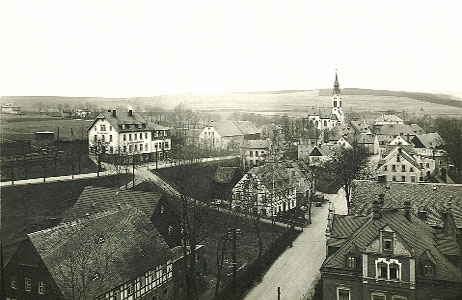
<point x="401" y="166"/>
<point x="253" y="153"/>
<point x="128" y="133"/>
<point x="228" y="134"/>
<point x="116" y="254"/>
<point x="10" y="108"/>
<point x="391" y="255"/>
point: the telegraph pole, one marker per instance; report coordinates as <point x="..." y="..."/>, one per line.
<point x="279" y="293"/>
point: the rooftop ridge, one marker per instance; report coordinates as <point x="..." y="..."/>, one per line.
<point x="91" y="217"/>
<point x="414" y="183"/>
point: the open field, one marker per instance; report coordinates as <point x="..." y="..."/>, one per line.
<point x="23" y="127"/>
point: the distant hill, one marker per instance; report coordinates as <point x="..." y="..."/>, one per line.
<point x="425" y="97"/>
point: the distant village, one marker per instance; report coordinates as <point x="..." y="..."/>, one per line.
<point x="177" y="208"/>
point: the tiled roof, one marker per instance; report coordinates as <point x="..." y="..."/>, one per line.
<point x="428" y="140"/>
<point x="325" y="150"/>
<point x="397" y="129"/>
<point x="225" y="174"/>
<point x="388" y="118"/>
<point x="344" y="226"/>
<point x="360" y="126"/>
<point x="97" y="199"/>
<point x="256" y="144"/>
<point x="234" y="128"/>
<point x="433" y="198"/>
<point x="124" y="118"/>
<point x="322" y="112"/>
<point x="416" y="234"/>
<point x="116" y="245"/>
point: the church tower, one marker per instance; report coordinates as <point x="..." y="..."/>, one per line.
<point x="337" y="101"/>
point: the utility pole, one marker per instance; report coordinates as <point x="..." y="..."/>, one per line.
<point x="279" y="293"/>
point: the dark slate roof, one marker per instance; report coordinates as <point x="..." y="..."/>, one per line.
<point x="135" y="119"/>
<point x="398" y="129"/>
<point x="225" y="174"/>
<point x="420" y="238"/>
<point x="256" y="144"/>
<point x="360" y="126"/>
<point x="428" y="140"/>
<point x="131" y="246"/>
<point x="345" y="225"/>
<point x="434" y="198"/>
<point x="97" y="199"/>
<point x="325" y="150"/>
<point x="234" y="128"/>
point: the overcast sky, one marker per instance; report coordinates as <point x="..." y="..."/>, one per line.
<point x="142" y="48"/>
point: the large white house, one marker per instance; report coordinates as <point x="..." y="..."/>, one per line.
<point x="128" y="133"/>
<point x="327" y="118"/>
<point x="228" y="134"/>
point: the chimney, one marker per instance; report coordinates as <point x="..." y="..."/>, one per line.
<point x="381" y="199"/>
<point x="376" y="210"/>
<point x="407" y="209"/>
<point x="130" y="112"/>
<point x="114" y="112"/>
<point x="407" y="137"/>
<point x="422" y="214"/>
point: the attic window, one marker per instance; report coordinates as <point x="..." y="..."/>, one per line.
<point x="428" y="269"/>
<point x="387" y="241"/>
<point x="95" y="276"/>
<point x="100" y="239"/>
<point x="351" y="262"/>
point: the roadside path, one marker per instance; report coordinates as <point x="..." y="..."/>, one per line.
<point x="297" y="269"/>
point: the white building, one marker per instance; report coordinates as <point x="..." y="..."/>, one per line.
<point x="228" y="134"/>
<point x="327" y="118"/>
<point x="12" y="109"/>
<point x="401" y="166"/>
<point x="388" y="120"/>
<point x="128" y="133"/>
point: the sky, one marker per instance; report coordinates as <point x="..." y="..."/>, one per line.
<point x="113" y="48"/>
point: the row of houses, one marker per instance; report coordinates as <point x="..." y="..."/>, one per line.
<point x="400" y="242"/>
<point x="111" y="244"/>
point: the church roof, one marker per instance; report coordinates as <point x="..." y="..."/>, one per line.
<point x="336" y="85"/>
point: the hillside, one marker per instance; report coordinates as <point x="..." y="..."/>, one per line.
<point x="291" y="102"/>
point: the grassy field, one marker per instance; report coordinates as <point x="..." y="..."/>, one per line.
<point x="199" y="177"/>
<point x="23" y="127"/>
<point x="29" y="208"/>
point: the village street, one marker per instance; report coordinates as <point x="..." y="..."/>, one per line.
<point x="297" y="269"/>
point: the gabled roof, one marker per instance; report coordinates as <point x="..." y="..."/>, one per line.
<point x="256" y="144"/>
<point x="398" y="129"/>
<point x="124" y="118"/>
<point x="325" y="150"/>
<point x="402" y="153"/>
<point x="388" y="118"/>
<point x="225" y="174"/>
<point x="433" y="198"/>
<point x="95" y="199"/>
<point x="361" y="127"/>
<point x="322" y="112"/>
<point x="234" y="128"/>
<point x="417" y="235"/>
<point x="116" y="245"/>
<point x="428" y="140"/>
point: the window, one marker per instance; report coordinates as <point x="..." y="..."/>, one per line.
<point x="412" y="178"/>
<point x="397" y="297"/>
<point x="251" y="153"/>
<point x="394" y="272"/>
<point x="27" y="284"/>
<point x="95" y="138"/>
<point x="393" y="168"/>
<point x="141" y="147"/>
<point x="95" y="276"/>
<point x="103" y="137"/>
<point x="141" y="135"/>
<point x="421" y="165"/>
<point x="351" y="262"/>
<point x="382" y="270"/>
<point x="110" y="128"/>
<point x="343" y="293"/>
<point x="13" y="283"/>
<point x="403" y="178"/>
<point x="394" y="178"/>
<point x="124" y="137"/>
<point x="428" y="270"/>
<point x="41" y="288"/>
<point x="378" y="296"/>
<point x="145" y="135"/>
<point x="387" y="241"/>
<point x="385" y="168"/>
<point x="427" y="165"/>
<point x="411" y="169"/>
<point x="403" y="168"/>
<point x="162" y="209"/>
<point x="166" y="144"/>
<point x="398" y="159"/>
<point x="129" y="136"/>
<point x="110" y="138"/>
<point x="103" y="127"/>
<point x="145" y="147"/>
<point x="125" y="149"/>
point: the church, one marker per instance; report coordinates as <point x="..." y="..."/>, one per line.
<point x="327" y="118"/>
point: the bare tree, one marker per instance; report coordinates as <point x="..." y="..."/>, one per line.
<point x="348" y="165"/>
<point x="451" y="132"/>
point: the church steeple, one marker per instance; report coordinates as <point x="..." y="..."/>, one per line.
<point x="336" y="85"/>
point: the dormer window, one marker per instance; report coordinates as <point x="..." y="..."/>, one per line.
<point x="351" y="262"/>
<point x="428" y="269"/>
<point x="387" y="242"/>
<point x="95" y="276"/>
